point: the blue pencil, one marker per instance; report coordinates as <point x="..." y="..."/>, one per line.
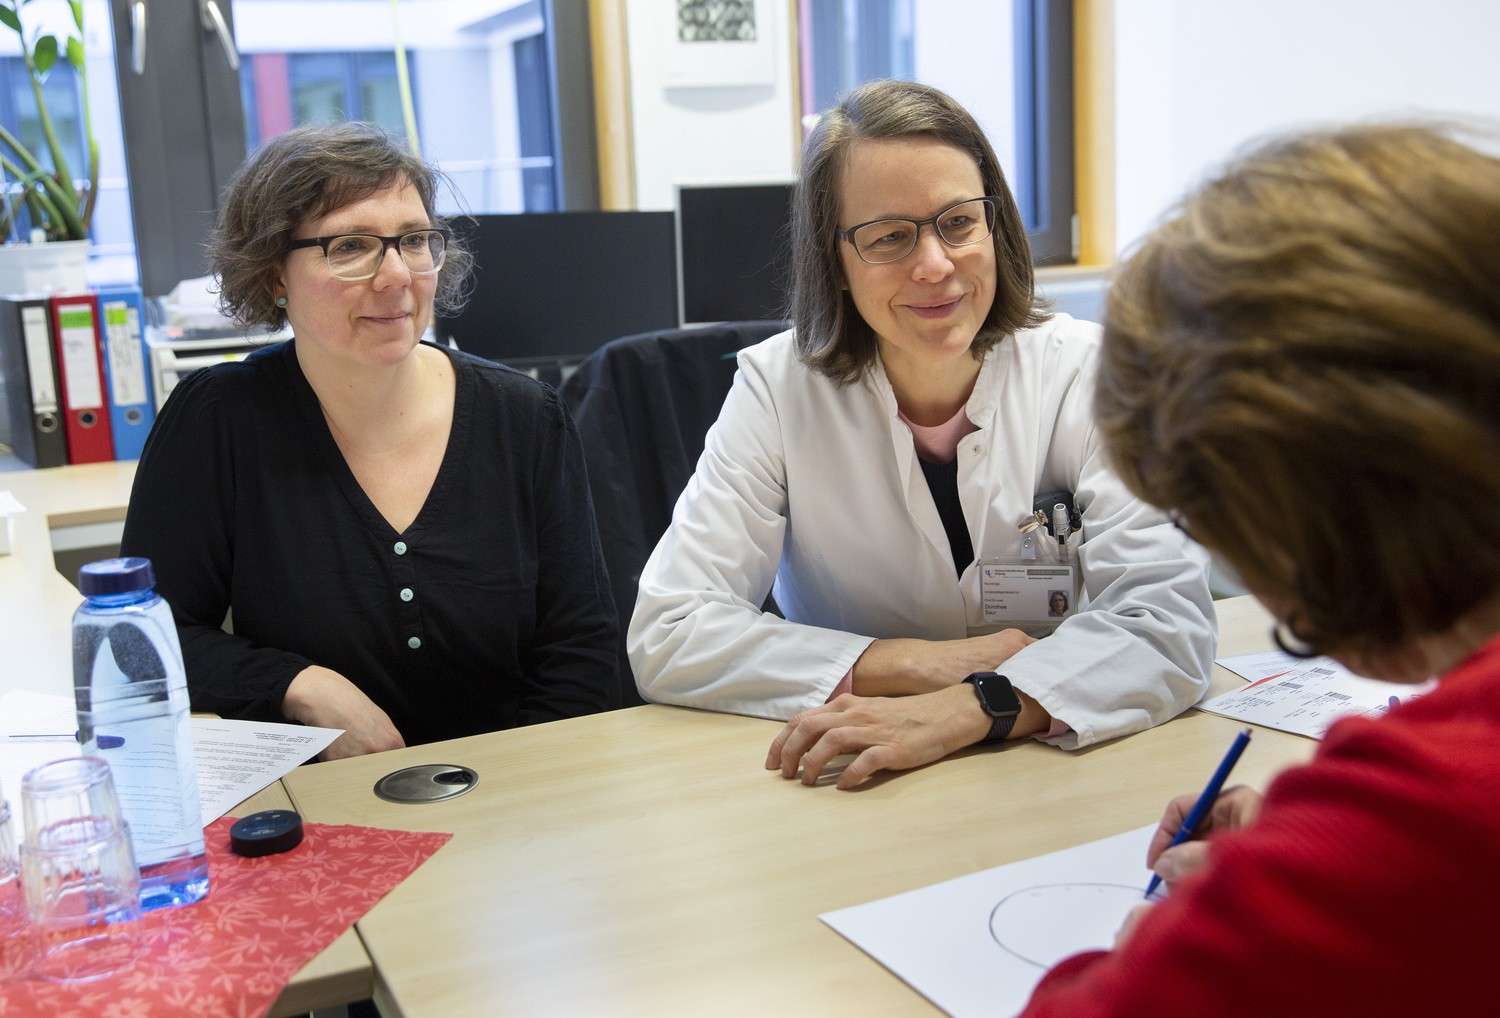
<point x="1206" y="800"/>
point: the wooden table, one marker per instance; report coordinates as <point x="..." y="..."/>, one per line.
<point x="642" y="862"/>
<point x="36" y="601"/>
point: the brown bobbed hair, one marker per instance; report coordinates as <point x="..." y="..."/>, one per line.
<point x="303" y="174"/>
<point x="1304" y="361"/>
<point x="832" y="337"/>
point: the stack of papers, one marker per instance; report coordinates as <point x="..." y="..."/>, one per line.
<point x="235" y="759"/>
<point x="1307" y="698"/>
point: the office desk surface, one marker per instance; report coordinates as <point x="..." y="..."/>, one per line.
<point x="642" y="862"/>
<point x="36" y="611"/>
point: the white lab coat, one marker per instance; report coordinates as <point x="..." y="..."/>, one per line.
<point x="818" y="487"/>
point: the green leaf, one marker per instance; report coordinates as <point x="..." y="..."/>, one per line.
<point x="77" y="6"/>
<point x="9" y="18"/>
<point x="75" y="53"/>
<point x="45" y="54"/>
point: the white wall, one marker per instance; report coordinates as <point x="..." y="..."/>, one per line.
<point x="1195" y="80"/>
<point x="739" y="134"/>
<point x="713" y="134"/>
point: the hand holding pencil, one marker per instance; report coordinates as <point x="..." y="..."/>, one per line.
<point x="1178" y="848"/>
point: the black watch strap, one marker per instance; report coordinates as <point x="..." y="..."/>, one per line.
<point x="999" y="700"/>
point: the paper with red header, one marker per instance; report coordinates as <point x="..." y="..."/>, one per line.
<point x="1309" y="698"/>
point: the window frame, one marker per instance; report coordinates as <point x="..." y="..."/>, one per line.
<point x="1043" y="178"/>
<point x="176" y="174"/>
<point x="1044" y="153"/>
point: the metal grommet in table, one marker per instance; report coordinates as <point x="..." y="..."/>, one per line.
<point x="426" y="783"/>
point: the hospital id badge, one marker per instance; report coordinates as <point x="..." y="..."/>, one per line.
<point x="1034" y="593"/>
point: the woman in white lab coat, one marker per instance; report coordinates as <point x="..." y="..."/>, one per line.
<point x="881" y="464"/>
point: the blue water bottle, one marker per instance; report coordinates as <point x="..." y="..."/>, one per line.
<point x="129" y="683"/>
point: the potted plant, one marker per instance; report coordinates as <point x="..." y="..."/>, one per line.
<point x="58" y="206"/>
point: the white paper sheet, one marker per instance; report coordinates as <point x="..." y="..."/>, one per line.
<point x="1310" y="697"/>
<point x="25" y="712"/>
<point x="235" y="759"/>
<point x="1265" y="664"/>
<point x="978" y="945"/>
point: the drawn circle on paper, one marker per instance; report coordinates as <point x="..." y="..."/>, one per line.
<point x="1045" y="924"/>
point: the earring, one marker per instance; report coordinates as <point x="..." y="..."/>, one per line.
<point x="1290" y="644"/>
<point x="281" y="302"/>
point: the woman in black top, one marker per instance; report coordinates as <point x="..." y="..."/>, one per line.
<point x="400" y="534"/>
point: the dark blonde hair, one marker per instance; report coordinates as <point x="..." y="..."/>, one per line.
<point x="1305" y="361"/>
<point x="832" y="337"/>
<point x="303" y="174"/>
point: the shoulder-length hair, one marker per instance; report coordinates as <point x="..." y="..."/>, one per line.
<point x="303" y="174"/>
<point x="1304" y="360"/>
<point x="832" y="337"/>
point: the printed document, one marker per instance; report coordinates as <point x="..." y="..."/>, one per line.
<point x="235" y="759"/>
<point x="1310" y="697"/>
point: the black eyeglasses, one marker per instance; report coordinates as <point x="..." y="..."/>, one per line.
<point x="356" y="256"/>
<point x="961" y="224"/>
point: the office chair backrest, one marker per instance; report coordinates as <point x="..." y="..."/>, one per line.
<point x="643" y="405"/>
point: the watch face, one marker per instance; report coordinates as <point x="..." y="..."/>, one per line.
<point x="996" y="694"/>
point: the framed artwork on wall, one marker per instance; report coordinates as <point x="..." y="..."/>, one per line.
<point x="709" y="43"/>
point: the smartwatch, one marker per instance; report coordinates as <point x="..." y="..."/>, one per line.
<point x="999" y="701"/>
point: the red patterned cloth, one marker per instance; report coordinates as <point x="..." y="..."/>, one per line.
<point x="231" y="953"/>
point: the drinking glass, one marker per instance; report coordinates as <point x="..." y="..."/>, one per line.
<point x="83" y="898"/>
<point x="66" y="789"/>
<point x="12" y="905"/>
<point x="78" y="873"/>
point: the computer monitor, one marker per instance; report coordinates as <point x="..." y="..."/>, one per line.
<point x="552" y="287"/>
<point x="733" y="251"/>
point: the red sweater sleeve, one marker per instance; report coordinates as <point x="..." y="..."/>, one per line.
<point x="1370" y="885"/>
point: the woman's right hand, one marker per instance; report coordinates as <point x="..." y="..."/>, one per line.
<point x="325" y="699"/>
<point x="1235" y="808"/>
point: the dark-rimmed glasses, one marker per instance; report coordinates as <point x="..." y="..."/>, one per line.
<point x="961" y="224"/>
<point x="356" y="256"/>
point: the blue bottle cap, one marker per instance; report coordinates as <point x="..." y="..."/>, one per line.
<point x="116" y="576"/>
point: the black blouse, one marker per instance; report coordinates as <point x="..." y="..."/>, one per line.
<point x="491" y="610"/>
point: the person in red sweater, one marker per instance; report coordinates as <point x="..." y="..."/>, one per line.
<point x="1303" y="364"/>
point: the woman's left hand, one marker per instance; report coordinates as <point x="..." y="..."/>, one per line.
<point x="887" y="733"/>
